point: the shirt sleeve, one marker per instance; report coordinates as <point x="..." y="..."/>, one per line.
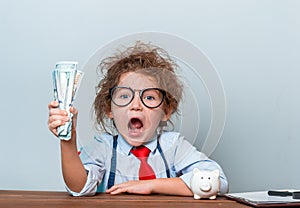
<point x="92" y="156"/>
<point x="94" y="177"/>
<point x="187" y="158"/>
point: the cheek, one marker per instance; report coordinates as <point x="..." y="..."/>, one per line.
<point x="159" y="116"/>
<point x="163" y="115"/>
<point x="117" y="113"/>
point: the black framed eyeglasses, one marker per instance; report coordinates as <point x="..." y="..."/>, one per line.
<point x="150" y="97"/>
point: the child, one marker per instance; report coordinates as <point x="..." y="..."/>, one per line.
<point x="134" y="103"/>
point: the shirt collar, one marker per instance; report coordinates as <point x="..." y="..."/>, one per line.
<point x="125" y="147"/>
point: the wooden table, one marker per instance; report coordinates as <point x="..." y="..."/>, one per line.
<point x="47" y="199"/>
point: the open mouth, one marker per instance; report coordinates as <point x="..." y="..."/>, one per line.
<point x="135" y="124"/>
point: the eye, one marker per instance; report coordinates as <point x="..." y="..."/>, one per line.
<point x="149" y="97"/>
<point x="124" y="96"/>
<point x="201" y="177"/>
<point x="208" y="178"/>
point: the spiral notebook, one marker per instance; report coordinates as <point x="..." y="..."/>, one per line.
<point x="262" y="199"/>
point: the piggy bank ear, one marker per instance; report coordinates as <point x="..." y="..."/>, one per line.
<point x="196" y="170"/>
<point x="216" y="172"/>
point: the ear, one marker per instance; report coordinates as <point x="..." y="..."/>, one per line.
<point x="109" y="114"/>
<point x="216" y="172"/>
<point x="196" y="170"/>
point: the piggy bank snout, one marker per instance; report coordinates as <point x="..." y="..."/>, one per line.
<point x="206" y="186"/>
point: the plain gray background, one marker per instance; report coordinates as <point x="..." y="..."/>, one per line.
<point x="253" y="44"/>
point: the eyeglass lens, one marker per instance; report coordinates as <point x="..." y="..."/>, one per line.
<point x="150" y="97"/>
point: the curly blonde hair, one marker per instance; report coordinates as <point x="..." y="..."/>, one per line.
<point x="141" y="58"/>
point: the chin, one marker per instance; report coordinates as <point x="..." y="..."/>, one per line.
<point x="136" y="141"/>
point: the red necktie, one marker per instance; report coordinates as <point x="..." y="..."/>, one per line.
<point x="145" y="172"/>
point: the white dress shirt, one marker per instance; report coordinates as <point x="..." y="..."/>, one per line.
<point x="180" y="155"/>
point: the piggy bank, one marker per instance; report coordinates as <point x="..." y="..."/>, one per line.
<point x="205" y="184"/>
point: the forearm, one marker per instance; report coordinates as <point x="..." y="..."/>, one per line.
<point x="171" y="186"/>
<point x="73" y="171"/>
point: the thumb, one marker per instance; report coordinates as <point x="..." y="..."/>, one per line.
<point x="74" y="111"/>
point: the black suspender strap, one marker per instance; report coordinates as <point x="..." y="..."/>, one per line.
<point x="164" y="159"/>
<point x="112" y="173"/>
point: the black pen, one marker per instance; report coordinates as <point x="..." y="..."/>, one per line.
<point x="282" y="193"/>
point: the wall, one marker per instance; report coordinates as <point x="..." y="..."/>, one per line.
<point x="253" y="45"/>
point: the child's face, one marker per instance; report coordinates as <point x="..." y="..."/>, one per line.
<point x="136" y="122"/>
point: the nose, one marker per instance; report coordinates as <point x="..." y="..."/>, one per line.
<point x="136" y="103"/>
<point x="206" y="186"/>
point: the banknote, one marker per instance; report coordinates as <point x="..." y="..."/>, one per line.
<point x="66" y="81"/>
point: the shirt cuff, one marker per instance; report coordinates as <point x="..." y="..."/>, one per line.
<point x="90" y="187"/>
<point x="187" y="178"/>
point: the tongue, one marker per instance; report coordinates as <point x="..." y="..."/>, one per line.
<point x="136" y="123"/>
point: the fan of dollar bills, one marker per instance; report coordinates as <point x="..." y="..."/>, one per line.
<point x="66" y="81"/>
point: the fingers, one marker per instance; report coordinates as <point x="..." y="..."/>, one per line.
<point x="53" y="104"/>
<point x="59" y="117"/>
<point x="55" y="121"/>
<point x="117" y="189"/>
<point x="134" y="187"/>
